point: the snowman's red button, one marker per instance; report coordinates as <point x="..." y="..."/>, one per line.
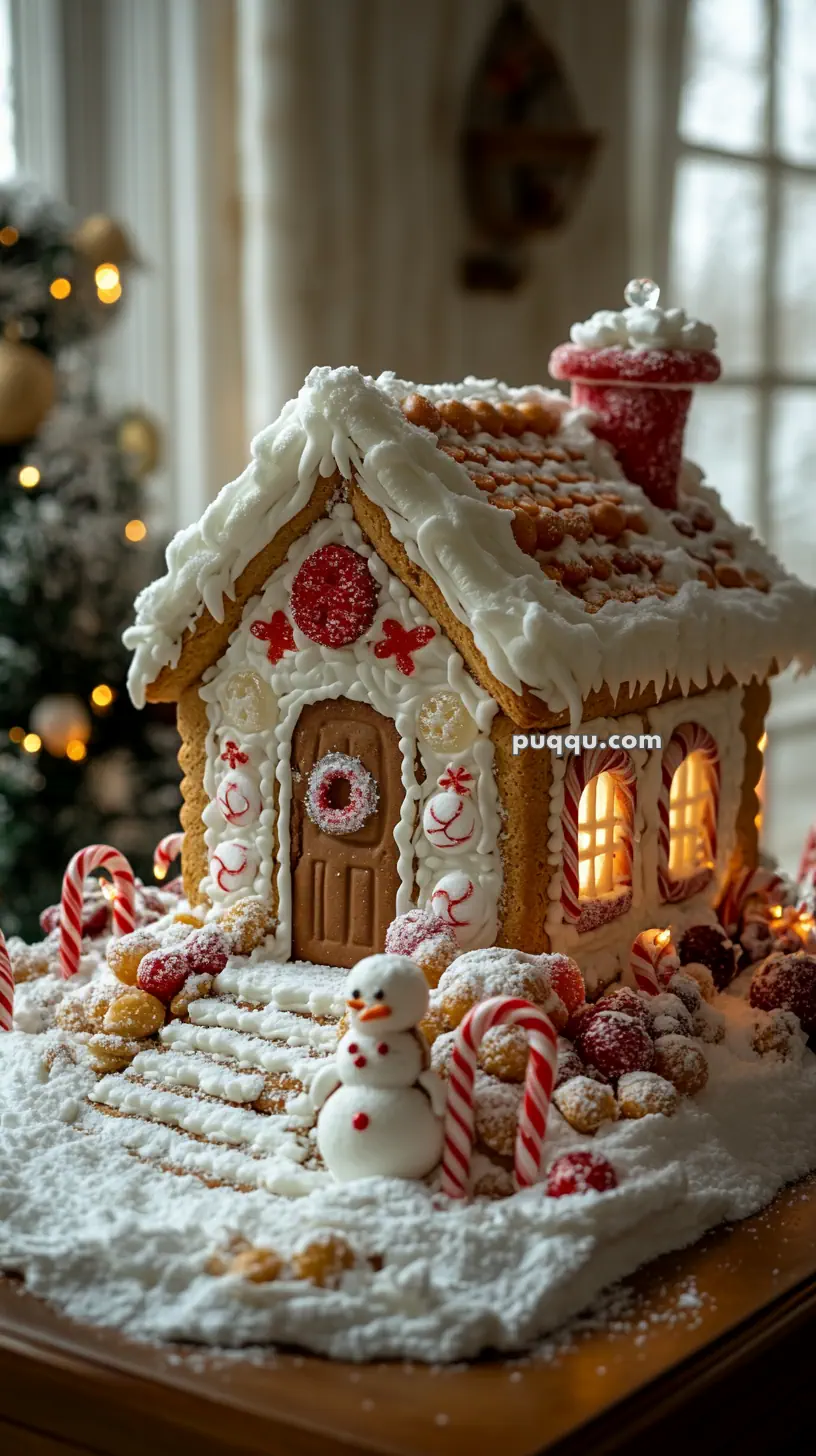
<point x="383" y="1048"/>
<point x="353" y="1047"/>
<point x="359" y="1061"/>
<point x="360" y="1121"/>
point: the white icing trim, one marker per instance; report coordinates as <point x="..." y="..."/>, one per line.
<point x="246" y="1051"/>
<point x="215" y="1122"/>
<point x="169" y="1070"/>
<point x="272" y="1025"/>
<point x="528" y="629"/>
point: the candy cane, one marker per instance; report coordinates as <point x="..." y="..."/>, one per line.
<point x="581" y="769"/>
<point x="745" y="883"/>
<point x="165" y="852"/>
<point x="688" y="738"/>
<point x="6" y="987"/>
<point x="94" y="857"/>
<point x="652" y="962"/>
<point x="459" y="1116"/>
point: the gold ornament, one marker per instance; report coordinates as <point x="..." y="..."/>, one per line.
<point x="62" y="722"/>
<point x="27" y="390"/>
<point x="101" y="240"/>
<point x="139" y="438"/>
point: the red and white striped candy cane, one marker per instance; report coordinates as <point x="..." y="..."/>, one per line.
<point x="94" y="857"/>
<point x="652" y="962"/>
<point x="459" y="1116"/>
<point x="743" y="884"/>
<point x="581" y="769"/>
<point x="688" y="738"/>
<point x="165" y="852"/>
<point x="6" y="987"/>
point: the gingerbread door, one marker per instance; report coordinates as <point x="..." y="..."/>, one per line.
<point x="344" y="886"/>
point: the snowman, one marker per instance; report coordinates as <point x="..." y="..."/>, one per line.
<point x="380" y="1106"/>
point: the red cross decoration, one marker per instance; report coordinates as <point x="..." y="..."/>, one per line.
<point x="277" y="633"/>
<point x="401" y="643"/>
<point x="456" y="780"/>
<point x="233" y="755"/>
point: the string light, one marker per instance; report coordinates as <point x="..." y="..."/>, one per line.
<point x="32" y="742"/>
<point x="8" y="236"/>
<point x="102" y="696"/>
<point x="135" y="530"/>
<point x="106" y="276"/>
<point x="75" y="750"/>
<point x="159" y="872"/>
<point x="16" y="734"/>
<point x="109" y="295"/>
<point x="60" y="288"/>
<point x="29" y="476"/>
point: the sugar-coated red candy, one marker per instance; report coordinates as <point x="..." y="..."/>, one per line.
<point x="409" y="930"/>
<point x="580" y="1020"/>
<point x="626" y="1001"/>
<point x="787" y="983"/>
<point x="708" y="945"/>
<point x="334" y="596"/>
<point x="206" y="951"/>
<point x="163" y="973"/>
<point x="617" y="1044"/>
<point x="580" y="1173"/>
<point x="567" y="981"/>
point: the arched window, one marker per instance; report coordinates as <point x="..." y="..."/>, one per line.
<point x="687" y="809"/>
<point x="598" y="819"/>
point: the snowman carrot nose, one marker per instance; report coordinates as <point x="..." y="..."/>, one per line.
<point x="355" y="1003"/>
<point x="375" y="1013"/>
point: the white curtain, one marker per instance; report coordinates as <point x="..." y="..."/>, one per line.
<point x="350" y="116"/>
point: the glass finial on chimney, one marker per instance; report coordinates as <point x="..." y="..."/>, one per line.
<point x="642" y="293"/>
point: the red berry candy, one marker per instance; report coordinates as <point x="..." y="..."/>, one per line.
<point x="334" y="596"/>
<point x="616" y="1044"/>
<point x="627" y="1002"/>
<point x="566" y="981"/>
<point x="579" y="1022"/>
<point x="96" y="913"/>
<point x="163" y="973"/>
<point x="787" y="983"/>
<point x="580" y="1173"/>
<point x="206" y="951"/>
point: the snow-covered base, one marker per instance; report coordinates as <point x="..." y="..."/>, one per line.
<point x="117" y="1242"/>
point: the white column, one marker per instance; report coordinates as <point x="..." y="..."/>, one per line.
<point x="39" y="91"/>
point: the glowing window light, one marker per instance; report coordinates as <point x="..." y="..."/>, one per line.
<point x="29" y="476"/>
<point x="60" y="288"/>
<point x="32" y="742"/>
<point x="8" y="236"/>
<point x="599" y="849"/>
<point x="75" y="750"/>
<point x="135" y="530"/>
<point x="691" y="810"/>
<point x="106" y="277"/>
<point x="16" y="734"/>
<point x="102" y="696"/>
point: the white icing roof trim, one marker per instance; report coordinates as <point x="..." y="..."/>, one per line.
<point x="529" y="629"/>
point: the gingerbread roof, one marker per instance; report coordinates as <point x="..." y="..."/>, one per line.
<point x="565" y="576"/>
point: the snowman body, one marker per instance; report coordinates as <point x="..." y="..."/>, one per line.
<point x="381" y="1118"/>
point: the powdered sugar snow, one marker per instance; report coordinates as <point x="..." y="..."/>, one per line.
<point x="115" y="1241"/>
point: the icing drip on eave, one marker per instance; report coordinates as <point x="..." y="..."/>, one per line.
<point x="529" y="630"/>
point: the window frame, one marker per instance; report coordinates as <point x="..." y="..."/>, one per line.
<point x="687" y="738"/>
<point x="587" y="913"/>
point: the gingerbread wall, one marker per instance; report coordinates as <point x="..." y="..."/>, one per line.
<point x="399" y="662"/>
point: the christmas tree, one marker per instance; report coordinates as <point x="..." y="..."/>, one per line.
<point x="77" y="764"/>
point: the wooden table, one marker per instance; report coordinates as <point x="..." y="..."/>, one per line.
<point x="733" y="1374"/>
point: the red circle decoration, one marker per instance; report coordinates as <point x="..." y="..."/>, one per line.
<point x="330" y="771"/>
<point x="334" y="596"/>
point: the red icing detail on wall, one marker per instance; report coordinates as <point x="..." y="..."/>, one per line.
<point x="233" y="755"/>
<point x="401" y="643"/>
<point x="456" y="780"/>
<point x="277" y="633"/>
<point x="334" y="596"/>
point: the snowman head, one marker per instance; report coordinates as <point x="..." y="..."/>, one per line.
<point x="386" y="993"/>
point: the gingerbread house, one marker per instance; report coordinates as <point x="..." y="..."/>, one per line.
<point x="384" y="637"/>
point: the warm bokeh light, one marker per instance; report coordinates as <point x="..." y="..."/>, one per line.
<point x="32" y="742"/>
<point x="135" y="530"/>
<point x="75" y="750"/>
<point x="16" y="734"/>
<point x="29" y="476"/>
<point x="106" y="277"/>
<point x="8" y="236"/>
<point x="102" y="696"/>
<point x="60" y="288"/>
<point x="159" y="871"/>
<point x="109" y="295"/>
